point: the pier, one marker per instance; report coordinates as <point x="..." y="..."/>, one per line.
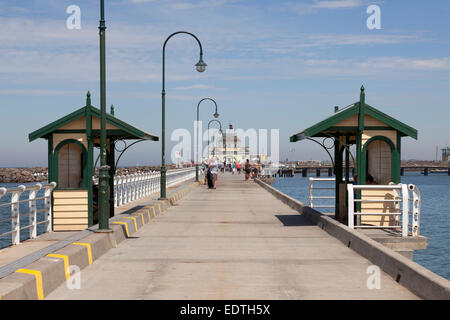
<point x="244" y="240"/>
<point x="305" y="171"/>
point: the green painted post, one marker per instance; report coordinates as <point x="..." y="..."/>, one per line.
<point x="112" y="170"/>
<point x="361" y="170"/>
<point x="90" y="159"/>
<point x="338" y="174"/>
<point x="104" y="168"/>
<point x="396" y="161"/>
<point x="50" y="172"/>
<point x="347" y="159"/>
<point x="163" y="144"/>
<point x="50" y="159"/>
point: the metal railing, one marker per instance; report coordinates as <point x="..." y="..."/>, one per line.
<point x="31" y="205"/>
<point x="137" y="186"/>
<point x="404" y="198"/>
<point x="323" y="193"/>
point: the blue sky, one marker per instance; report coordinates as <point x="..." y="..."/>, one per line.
<point x="271" y="64"/>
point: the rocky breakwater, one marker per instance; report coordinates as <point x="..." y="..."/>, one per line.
<point x="39" y="174"/>
<point x="23" y="175"/>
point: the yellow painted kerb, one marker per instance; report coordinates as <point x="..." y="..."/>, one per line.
<point x="66" y="262"/>
<point x="126" y="226"/>
<point x="149" y="214"/>
<point x="88" y="246"/>
<point x="135" y="222"/>
<point x="142" y="216"/>
<point x="39" y="285"/>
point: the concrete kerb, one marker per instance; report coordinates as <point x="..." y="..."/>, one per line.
<point x="416" y="278"/>
<point x="38" y="279"/>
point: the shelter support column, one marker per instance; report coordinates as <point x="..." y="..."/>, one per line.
<point x="90" y="161"/>
<point x="338" y="173"/>
<point x="112" y="171"/>
<point x="396" y="161"/>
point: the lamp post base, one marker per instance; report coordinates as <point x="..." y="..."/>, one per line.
<point x="103" y="231"/>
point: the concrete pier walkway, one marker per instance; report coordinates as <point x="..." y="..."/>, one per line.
<point x="235" y="242"/>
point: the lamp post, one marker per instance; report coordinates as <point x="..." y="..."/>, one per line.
<point x="220" y="129"/>
<point x="103" y="214"/>
<point x="216" y="115"/>
<point x="200" y="66"/>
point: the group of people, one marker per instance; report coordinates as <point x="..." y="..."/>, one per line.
<point x="252" y="171"/>
<point x="211" y="168"/>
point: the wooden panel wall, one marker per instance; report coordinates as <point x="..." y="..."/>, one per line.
<point x="376" y="207"/>
<point x="70" y="210"/>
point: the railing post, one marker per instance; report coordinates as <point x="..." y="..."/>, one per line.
<point x="415" y="220"/>
<point x="33" y="211"/>
<point x="405" y="210"/>
<point x="126" y="188"/>
<point x="48" y="206"/>
<point x="311" y="192"/>
<point x="147" y="180"/>
<point x="15" y="215"/>
<point x="397" y="207"/>
<point x="351" y="206"/>
<point x="138" y="187"/>
<point x="116" y="186"/>
<point x="130" y="187"/>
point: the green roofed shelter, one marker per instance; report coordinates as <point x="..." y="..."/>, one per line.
<point x="71" y="142"/>
<point x="377" y="137"/>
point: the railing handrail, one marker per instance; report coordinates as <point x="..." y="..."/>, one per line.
<point x="135" y="186"/>
<point x="22" y="188"/>
<point x="31" y="211"/>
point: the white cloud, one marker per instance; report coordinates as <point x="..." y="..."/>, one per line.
<point x="329" y="5"/>
<point x="35" y="51"/>
<point x="337" y="4"/>
<point x="401" y="63"/>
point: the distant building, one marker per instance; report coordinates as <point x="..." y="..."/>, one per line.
<point x="229" y="149"/>
<point x="445" y="154"/>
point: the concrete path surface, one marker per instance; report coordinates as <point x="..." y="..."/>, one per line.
<point x="235" y="242"/>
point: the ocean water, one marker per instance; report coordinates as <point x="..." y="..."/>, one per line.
<point x="434" y="213"/>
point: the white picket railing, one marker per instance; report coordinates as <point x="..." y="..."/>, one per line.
<point x="137" y="186"/>
<point x="404" y="198"/>
<point x="31" y="210"/>
<point x="126" y="189"/>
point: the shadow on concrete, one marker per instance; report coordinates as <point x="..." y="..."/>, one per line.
<point x="293" y="220"/>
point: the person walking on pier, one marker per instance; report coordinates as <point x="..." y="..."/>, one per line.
<point x="248" y="170"/>
<point x="213" y="171"/>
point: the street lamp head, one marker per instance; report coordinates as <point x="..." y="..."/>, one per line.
<point x="216" y="115"/>
<point x="201" y="65"/>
